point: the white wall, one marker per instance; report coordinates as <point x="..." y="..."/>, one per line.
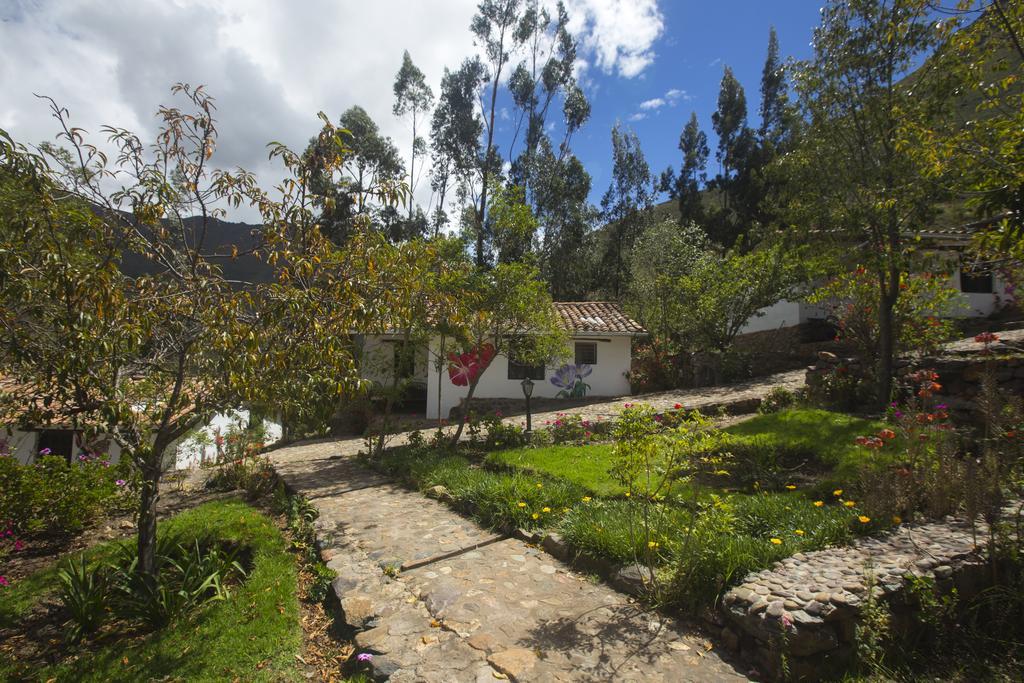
<point x="780" y="314"/>
<point x="23" y="445"/>
<point x="979" y="305"/>
<point x="607" y="378"/>
<point x="378" y="360"/>
<point x="195" y="449"/>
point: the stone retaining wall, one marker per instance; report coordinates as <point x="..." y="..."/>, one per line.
<point x="805" y="609"/>
<point x="959" y="374"/>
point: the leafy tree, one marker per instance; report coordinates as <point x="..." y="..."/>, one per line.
<point x="735" y="145"/>
<point x="626" y="207"/>
<point x="974" y="147"/>
<point x="367" y="183"/>
<point x="545" y="72"/>
<point x="775" y="114"/>
<point x="413" y="98"/>
<point x="561" y="187"/>
<point x="455" y="132"/>
<point x="855" y="176"/>
<point x="721" y="293"/>
<point x="512" y="223"/>
<point x="693" y="143"/>
<point x="147" y="358"/>
<point x="496" y="29"/>
<point x="665" y="252"/>
<point x="504" y="311"/>
<point x="922" y="317"/>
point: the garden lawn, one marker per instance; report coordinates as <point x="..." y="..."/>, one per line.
<point x="253" y="635"/>
<point x="583" y="465"/>
<point x="828" y="435"/>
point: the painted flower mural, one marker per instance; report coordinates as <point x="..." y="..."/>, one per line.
<point x="466" y="368"/>
<point x="569" y="378"/>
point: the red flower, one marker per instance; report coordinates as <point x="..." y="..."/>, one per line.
<point x="466" y="368"/>
<point x="986" y="338"/>
<point x="887" y="434"/>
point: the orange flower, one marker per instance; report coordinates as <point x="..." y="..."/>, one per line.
<point x="864" y="519"/>
<point x="887" y="434"/>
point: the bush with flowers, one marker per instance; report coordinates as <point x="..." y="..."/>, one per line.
<point x="52" y="496"/>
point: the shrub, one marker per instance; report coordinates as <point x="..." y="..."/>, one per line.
<point x="85" y="595"/>
<point x="51" y="496"/>
<point x="502" y="435"/>
<point x="779" y="398"/>
<point x="188" y="576"/>
<point x="254" y="475"/>
<point x="572" y="428"/>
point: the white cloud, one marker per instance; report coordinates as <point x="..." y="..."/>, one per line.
<point x="656" y="103"/>
<point x="715" y="62"/>
<point x="270" y="64"/>
<point x="620" y="33"/>
<point x="637" y="116"/>
<point x="676" y="94"/>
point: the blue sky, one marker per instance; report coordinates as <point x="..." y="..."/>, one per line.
<point x="698" y="40"/>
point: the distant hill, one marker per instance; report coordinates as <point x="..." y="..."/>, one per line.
<point x="221" y="236"/>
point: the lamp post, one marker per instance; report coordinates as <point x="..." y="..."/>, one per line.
<point x="527" y="392"/>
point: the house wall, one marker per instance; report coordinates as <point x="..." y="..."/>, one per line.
<point x="607" y="378"/>
<point x="200" y="446"/>
<point x="378" y="360"/>
<point x="979" y="305"/>
<point x="781" y="314"/>
<point x="23" y="445"/>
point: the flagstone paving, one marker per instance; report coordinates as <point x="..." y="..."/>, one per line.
<point x="472" y="605"/>
<point x="437" y="598"/>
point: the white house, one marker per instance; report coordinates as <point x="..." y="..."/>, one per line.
<point x="982" y="293"/>
<point x="24" y="443"/>
<point x="596" y="363"/>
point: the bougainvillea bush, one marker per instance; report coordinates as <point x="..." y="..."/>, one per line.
<point x="53" y="496"/>
<point x="922" y="313"/>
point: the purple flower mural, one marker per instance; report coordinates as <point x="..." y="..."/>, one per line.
<point x="569" y="378"/>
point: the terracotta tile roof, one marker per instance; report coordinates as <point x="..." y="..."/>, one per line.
<point x="605" y="317"/>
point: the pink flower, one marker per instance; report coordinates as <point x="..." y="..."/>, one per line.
<point x="120" y="482"/>
<point x="18" y="545"/>
<point x="4" y="582"/>
<point x="45" y="451"/>
<point x="628" y="405"/>
<point x="364" y="657"/>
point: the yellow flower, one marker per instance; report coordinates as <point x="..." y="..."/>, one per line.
<point x="565" y="509"/>
<point x="791" y="487"/>
<point x="849" y="503"/>
<point x="540" y="486"/>
<point x="627" y="494"/>
<point x="521" y="504"/>
<point x="777" y="541"/>
<point x="837" y="492"/>
<point x="652" y="544"/>
<point x="535" y="515"/>
<point x="864" y="519"/>
<point x="546" y="510"/>
<point x="818" y="503"/>
<point x="799" y="532"/>
<point x="896" y="519"/>
<point x="586" y="499"/>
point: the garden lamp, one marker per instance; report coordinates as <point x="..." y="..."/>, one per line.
<point x="527" y="392"/>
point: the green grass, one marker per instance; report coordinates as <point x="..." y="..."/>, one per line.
<point x="254" y="635"/>
<point x="583" y="465"/>
<point x="830" y="436"/>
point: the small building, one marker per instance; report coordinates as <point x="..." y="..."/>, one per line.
<point x="596" y="363"/>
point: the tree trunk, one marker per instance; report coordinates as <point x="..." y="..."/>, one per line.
<point x="464" y="412"/>
<point x="147" y="516"/>
<point x="886" y="346"/>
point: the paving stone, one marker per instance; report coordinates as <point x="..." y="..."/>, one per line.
<point x="504" y="599"/>
<point x="515" y="662"/>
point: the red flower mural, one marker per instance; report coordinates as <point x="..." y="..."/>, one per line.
<point x="465" y="368"/>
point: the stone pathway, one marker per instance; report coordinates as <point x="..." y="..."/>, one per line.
<point x="738" y="398"/>
<point x="437" y="598"/>
<point x="815" y="597"/>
